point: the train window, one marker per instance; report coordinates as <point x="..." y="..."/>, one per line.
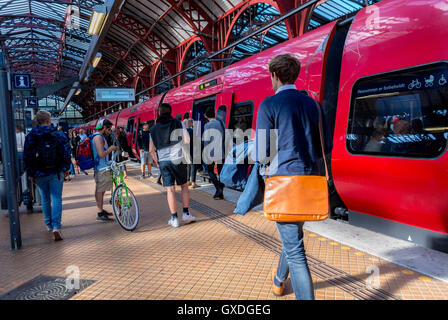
<point x="221" y="114"/>
<point x="179" y="117"/>
<point x="402" y="113"/>
<point x="186" y="115"/>
<point x="130" y="126"/>
<point x="241" y="115"/>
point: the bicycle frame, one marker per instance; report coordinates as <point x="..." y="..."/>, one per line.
<point x="117" y="178"/>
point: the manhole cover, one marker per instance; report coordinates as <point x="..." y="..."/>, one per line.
<point x="45" y="288"/>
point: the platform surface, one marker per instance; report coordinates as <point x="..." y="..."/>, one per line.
<point x="220" y="256"/>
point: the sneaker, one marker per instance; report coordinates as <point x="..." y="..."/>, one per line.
<point x="187" y="218"/>
<point x="108" y="213"/>
<point x="102" y="217"/>
<point x="150" y="175"/>
<point x="57" y="235"/>
<point x="219" y="195"/>
<point x="277" y="290"/>
<point x="142" y="177"/>
<point x="174" y="222"/>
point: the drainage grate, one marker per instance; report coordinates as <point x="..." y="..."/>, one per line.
<point x="344" y="281"/>
<point x="45" y="288"/>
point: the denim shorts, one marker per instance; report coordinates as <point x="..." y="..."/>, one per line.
<point x="173" y="173"/>
<point x="145" y="157"/>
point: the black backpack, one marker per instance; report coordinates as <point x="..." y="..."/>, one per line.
<point x="49" y="153"/>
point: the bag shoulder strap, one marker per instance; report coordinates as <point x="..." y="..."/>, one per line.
<point x="321" y="134"/>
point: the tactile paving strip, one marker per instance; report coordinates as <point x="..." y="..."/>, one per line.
<point x="346" y="282"/>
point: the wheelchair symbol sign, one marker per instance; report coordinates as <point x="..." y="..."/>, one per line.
<point x="33" y="102"/>
<point x="21" y="81"/>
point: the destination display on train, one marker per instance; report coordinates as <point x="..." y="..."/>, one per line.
<point x="208" y="84"/>
<point x="114" y="94"/>
<point x="432" y="78"/>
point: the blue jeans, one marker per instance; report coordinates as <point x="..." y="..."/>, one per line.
<point x="50" y="188"/>
<point x="293" y="260"/>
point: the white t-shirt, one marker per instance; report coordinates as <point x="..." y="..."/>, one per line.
<point x="20" y="138"/>
<point x="173" y="153"/>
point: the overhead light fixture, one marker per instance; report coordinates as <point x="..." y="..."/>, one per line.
<point x="97" y="59"/>
<point x="97" y="20"/>
<point x="77" y="92"/>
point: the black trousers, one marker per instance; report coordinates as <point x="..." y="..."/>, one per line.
<point x="211" y="173"/>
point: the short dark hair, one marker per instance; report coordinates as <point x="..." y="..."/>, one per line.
<point x="286" y="67"/>
<point x="210" y="112"/>
<point x="165" y="108"/>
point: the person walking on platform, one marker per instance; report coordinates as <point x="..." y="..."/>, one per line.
<point x="74" y="142"/>
<point x="47" y="157"/>
<point x="20" y="139"/>
<point x="191" y="168"/>
<point x="145" y="156"/>
<point x="213" y="123"/>
<point x="103" y="179"/>
<point x="169" y="157"/>
<point x="82" y="137"/>
<point x="295" y="117"/>
<point x="122" y="143"/>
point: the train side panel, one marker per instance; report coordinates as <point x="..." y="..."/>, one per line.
<point x="249" y="80"/>
<point x="389" y="41"/>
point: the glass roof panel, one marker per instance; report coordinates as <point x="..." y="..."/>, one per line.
<point x="33" y="33"/>
<point x="332" y="10"/>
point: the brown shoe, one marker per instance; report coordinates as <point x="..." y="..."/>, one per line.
<point x="277" y="290"/>
<point x="57" y="235"/>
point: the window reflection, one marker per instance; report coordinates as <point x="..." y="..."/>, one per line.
<point x="401" y="114"/>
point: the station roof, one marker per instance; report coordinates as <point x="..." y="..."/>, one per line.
<point x="37" y="39"/>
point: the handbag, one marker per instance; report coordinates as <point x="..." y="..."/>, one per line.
<point x="298" y="198"/>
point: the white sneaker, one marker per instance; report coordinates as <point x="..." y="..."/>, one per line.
<point x="173" y="222"/>
<point x="187" y="218"/>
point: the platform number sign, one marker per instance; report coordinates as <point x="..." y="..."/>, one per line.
<point x="21" y="81"/>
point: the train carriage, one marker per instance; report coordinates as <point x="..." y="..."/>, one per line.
<point x="382" y="80"/>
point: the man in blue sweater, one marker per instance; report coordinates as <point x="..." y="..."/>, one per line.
<point x="47" y="157"/>
<point x="294" y="118"/>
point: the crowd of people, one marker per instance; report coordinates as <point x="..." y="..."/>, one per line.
<point x="50" y="156"/>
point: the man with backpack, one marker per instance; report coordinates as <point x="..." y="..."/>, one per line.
<point x="166" y="150"/>
<point x="47" y="161"/>
<point x="103" y="179"/>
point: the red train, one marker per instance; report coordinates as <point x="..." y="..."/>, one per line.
<point x="382" y="80"/>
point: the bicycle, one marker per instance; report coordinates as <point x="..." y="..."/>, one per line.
<point x="124" y="203"/>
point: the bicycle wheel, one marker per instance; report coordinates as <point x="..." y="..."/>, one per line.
<point x="125" y="207"/>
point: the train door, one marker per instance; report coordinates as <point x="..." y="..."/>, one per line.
<point x="135" y="133"/>
<point x="199" y="108"/>
<point x="129" y="131"/>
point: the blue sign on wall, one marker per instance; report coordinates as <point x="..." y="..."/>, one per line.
<point x="33" y="102"/>
<point x="114" y="94"/>
<point x="21" y="81"/>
